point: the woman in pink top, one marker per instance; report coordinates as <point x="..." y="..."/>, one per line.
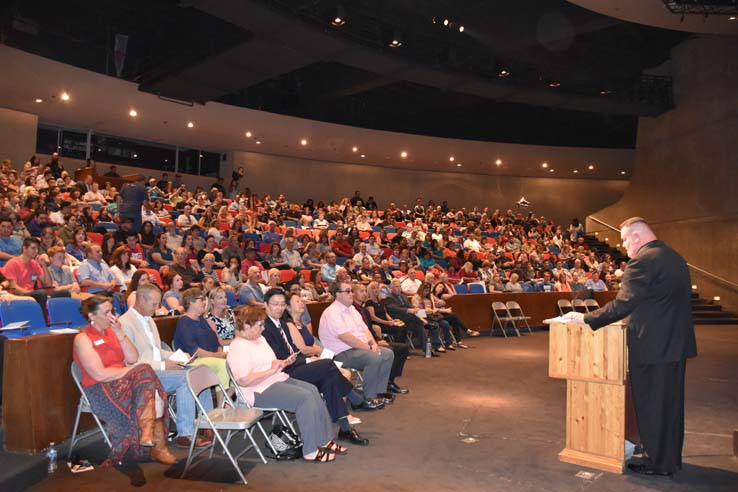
<point x="563" y="284"/>
<point x="259" y="374"/>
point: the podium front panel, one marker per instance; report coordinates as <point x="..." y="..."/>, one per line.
<point x="576" y="352"/>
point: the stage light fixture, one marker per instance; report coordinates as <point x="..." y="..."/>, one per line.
<point x="498" y="162"/>
<point x="452" y="158"/>
<point x="458" y="165"/>
<point x="248" y="134"/>
<point x="190" y="125"/>
<point x="504" y="73"/>
<point x="65" y="96"/>
<point x="39" y="100"/>
<point x="339" y="16"/>
<point x="363" y="155"/>
<point x="133" y="113"/>
<point x="395" y="43"/>
<point x="303" y="142"/>
<point x="403" y="154"/>
<point x="576" y="171"/>
<point x="544" y="165"/>
<point x="590" y="167"/>
<point x="461" y="28"/>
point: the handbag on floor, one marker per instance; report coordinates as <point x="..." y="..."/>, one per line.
<point x="285" y="442"/>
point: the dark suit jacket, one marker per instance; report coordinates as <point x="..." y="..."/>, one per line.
<point x="655" y="292"/>
<point x="394" y="306"/>
<point x="274" y="338"/>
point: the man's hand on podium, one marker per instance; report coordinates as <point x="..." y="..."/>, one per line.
<point x="574" y="317"/>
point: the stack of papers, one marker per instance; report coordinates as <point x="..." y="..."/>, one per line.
<point x="18" y="325"/>
<point x="64" y="330"/>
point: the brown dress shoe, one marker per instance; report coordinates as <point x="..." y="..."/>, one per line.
<point x="207" y="434"/>
<point x="184" y="442"/>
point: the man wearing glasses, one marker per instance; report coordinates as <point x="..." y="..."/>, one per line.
<point x="343" y="331"/>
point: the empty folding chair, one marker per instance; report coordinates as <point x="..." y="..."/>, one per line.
<point x="83" y="407"/>
<point x="65" y="311"/>
<point x="591" y="305"/>
<point x="502" y="317"/>
<point x="579" y="306"/>
<point x="231" y="298"/>
<point x="515" y="311"/>
<point x="228" y="418"/>
<point x="564" y="306"/>
<point x="461" y="289"/>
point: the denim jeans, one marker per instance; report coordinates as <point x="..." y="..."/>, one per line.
<point x="174" y="380"/>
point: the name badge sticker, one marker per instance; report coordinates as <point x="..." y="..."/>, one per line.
<point x="98" y="342"/>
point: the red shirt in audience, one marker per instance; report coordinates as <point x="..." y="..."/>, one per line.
<point x="24" y="274"/>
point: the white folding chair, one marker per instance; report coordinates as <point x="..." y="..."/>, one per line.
<point x="591" y="305"/>
<point x="502" y="317"/>
<point x="515" y="311"/>
<point x="83" y="407"/>
<point x="274" y="413"/>
<point x="228" y="417"/>
<point x="579" y="306"/>
<point x="564" y="306"/>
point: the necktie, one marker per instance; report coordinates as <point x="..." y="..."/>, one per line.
<point x="284" y="336"/>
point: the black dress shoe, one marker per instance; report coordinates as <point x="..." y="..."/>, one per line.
<point x="435" y="354"/>
<point x="353" y="437"/>
<point x="393" y="388"/>
<point x="370" y="404"/>
<point x="647" y="469"/>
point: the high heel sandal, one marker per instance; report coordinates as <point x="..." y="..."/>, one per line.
<point x="335" y="448"/>
<point x="322" y="457"/>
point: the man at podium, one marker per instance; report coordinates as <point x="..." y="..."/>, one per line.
<point x="655" y="296"/>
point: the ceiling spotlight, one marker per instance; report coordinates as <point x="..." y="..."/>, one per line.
<point x="590" y="167"/>
<point x="576" y="171"/>
<point x="605" y="92"/>
<point x="135" y="155"/>
<point x="403" y="154"/>
<point x="498" y="162"/>
<point x="258" y="142"/>
<point x="732" y="17"/>
<point x="395" y="43"/>
<point x="65" y="96"/>
<point x="339" y="17"/>
<point x="622" y="172"/>
<point x="544" y="165"/>
<point x="554" y="84"/>
<point x="461" y="28"/>
<point x="458" y="165"/>
<point x="551" y="170"/>
<point x="248" y="134"/>
<point x="363" y="155"/>
<point x="303" y="142"/>
<point x="446" y="22"/>
<point x="39" y="100"/>
<point x="190" y="125"/>
<point x="354" y="149"/>
<point x="133" y="113"/>
<point x="452" y="158"/>
<point x="504" y="73"/>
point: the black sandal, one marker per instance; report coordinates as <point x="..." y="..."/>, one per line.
<point x="322" y="457"/>
<point x="335" y="448"/>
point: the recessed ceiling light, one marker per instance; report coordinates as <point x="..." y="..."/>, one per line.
<point x="452" y="158"/>
<point x="732" y="17"/>
<point x="446" y="22"/>
<point x="303" y="142"/>
<point x="65" y="96"/>
<point x="498" y="162"/>
<point x="576" y="171"/>
<point x="461" y="28"/>
<point x="258" y="142"/>
<point x="504" y="73"/>
<point x="395" y="43"/>
<point x="39" y="100"/>
<point x="458" y="165"/>
<point x="555" y="84"/>
<point x="354" y="149"/>
<point x="338" y="21"/>
<point x="363" y="155"/>
<point x="551" y="170"/>
<point x="604" y="93"/>
<point x="403" y="154"/>
<point x="248" y="134"/>
<point x="544" y="165"/>
<point x="590" y="167"/>
<point x="622" y="172"/>
<point x="135" y="155"/>
<point x="133" y="113"/>
<point x="190" y="125"/>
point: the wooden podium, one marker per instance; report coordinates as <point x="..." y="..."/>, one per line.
<point x="594" y="365"/>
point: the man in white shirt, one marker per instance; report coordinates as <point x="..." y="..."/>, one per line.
<point x="363" y="253"/>
<point x="174" y="240"/>
<point x="342" y="330"/>
<point x="186" y="220"/>
<point x="472" y="244"/>
<point x="373" y="248"/>
<point x="142" y="332"/>
<point x="411" y="283"/>
<point x="290" y="255"/>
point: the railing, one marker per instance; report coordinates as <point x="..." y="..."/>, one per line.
<point x="693" y="267"/>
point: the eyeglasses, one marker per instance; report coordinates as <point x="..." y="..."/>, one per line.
<point x="347" y="291"/>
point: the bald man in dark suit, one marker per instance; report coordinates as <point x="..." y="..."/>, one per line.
<point x="655" y="295"/>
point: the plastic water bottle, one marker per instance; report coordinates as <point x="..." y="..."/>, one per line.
<point x="428" y="349"/>
<point x="51" y="455"/>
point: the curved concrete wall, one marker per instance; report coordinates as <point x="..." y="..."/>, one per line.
<point x="685" y="178"/>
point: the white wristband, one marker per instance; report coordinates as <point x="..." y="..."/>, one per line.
<point x="163" y="365"/>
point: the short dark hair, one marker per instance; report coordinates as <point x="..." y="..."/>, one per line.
<point x="92" y="304"/>
<point x="273" y="292"/>
<point x="29" y="241"/>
